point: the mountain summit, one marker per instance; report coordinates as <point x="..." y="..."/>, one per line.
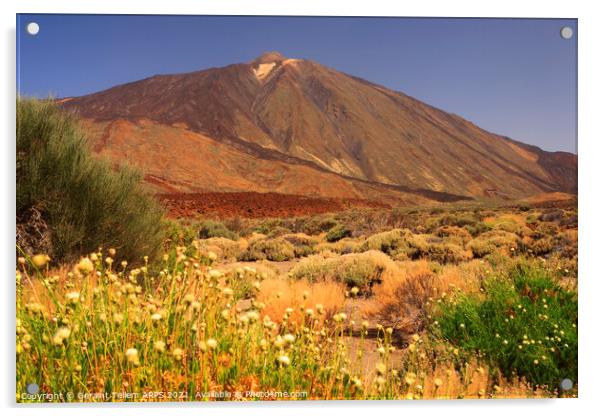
<point x="295" y="126"/>
<point x="269" y="57"/>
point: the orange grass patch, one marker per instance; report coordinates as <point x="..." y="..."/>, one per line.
<point x="280" y="294"/>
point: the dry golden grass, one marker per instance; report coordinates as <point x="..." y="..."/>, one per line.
<point x="279" y="294"/>
<point x="571" y="235"/>
<point x="549" y="196"/>
<point x="34" y="290"/>
<point x="473" y="381"/>
<point x="465" y="277"/>
<point x="400" y="299"/>
<point x="518" y="219"/>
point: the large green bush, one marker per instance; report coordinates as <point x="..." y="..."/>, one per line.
<point x="524" y="322"/>
<point x="83" y="201"/>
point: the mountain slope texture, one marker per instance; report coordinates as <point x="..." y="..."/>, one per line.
<point x="294" y="126"/>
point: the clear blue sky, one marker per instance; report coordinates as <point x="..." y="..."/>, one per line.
<point x="510" y="76"/>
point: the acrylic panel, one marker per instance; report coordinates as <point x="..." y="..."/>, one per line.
<point x="295" y="208"/>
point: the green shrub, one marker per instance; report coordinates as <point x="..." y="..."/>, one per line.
<point x="524" y="323"/>
<point x="268" y="225"/>
<point x="210" y="228"/>
<point x="417" y="245"/>
<point x="337" y="233"/>
<point x="270" y="249"/>
<point x="84" y="202"/>
<point x="177" y="234"/>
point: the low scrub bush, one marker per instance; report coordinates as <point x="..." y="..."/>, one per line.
<point x="278" y="231"/>
<point x="177" y="234"/>
<point x="523" y="322"/>
<point x="447" y="253"/>
<point x="361" y="270"/>
<point x="547" y="228"/>
<point x="542" y="246"/>
<point x="492" y="242"/>
<point x="276" y="249"/>
<point x="508" y="226"/>
<point x="303" y="245"/>
<point x="266" y="226"/>
<point x="478" y="228"/>
<point x="425" y="246"/>
<point x="337" y="233"/>
<point x="316" y="225"/>
<point x="210" y="229"/>
<point x="460" y="219"/>
<point x="344" y="246"/>
<point x="389" y="242"/>
<point x="453" y="234"/>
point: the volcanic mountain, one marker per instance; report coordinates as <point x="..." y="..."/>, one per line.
<point x="294" y="126"/>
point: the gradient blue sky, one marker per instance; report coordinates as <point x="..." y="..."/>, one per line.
<point x="515" y="77"/>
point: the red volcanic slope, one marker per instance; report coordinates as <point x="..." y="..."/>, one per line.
<point x="293" y="126"/>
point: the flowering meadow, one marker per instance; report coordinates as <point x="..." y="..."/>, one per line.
<point x="188" y="329"/>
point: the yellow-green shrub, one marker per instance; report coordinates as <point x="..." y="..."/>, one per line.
<point x="303" y="245"/>
<point x="360" y="270"/>
<point x="453" y="234"/>
<point x="389" y="242"/>
<point x="494" y="241"/>
<point x="344" y="246"/>
<point x="276" y="249"/>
